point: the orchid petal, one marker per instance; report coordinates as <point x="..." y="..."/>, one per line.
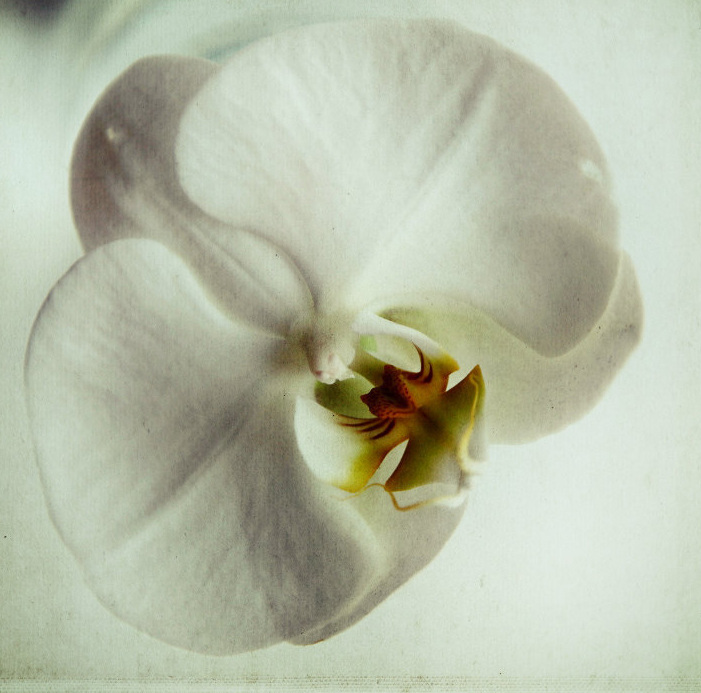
<point x="124" y="184"/>
<point x="529" y="395"/>
<point x="408" y="541"/>
<point x="164" y="438"/>
<point x="380" y="155"/>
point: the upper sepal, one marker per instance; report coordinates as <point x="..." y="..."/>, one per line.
<point x="382" y="155"/>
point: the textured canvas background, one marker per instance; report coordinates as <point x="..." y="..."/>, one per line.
<point x="577" y="564"/>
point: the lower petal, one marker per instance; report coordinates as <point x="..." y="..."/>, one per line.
<point x="409" y="541"/>
<point x="165" y="443"/>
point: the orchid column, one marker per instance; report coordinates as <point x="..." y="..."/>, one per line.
<point x="318" y="280"/>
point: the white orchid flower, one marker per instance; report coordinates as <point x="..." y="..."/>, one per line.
<point x="258" y="398"/>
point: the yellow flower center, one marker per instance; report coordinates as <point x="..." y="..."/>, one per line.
<point x="415" y="406"/>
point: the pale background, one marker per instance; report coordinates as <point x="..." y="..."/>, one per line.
<point x="577" y="564"/>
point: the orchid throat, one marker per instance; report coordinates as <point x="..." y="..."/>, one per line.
<point x="374" y="407"/>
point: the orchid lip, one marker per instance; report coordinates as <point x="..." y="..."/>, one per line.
<point x="414" y="408"/>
